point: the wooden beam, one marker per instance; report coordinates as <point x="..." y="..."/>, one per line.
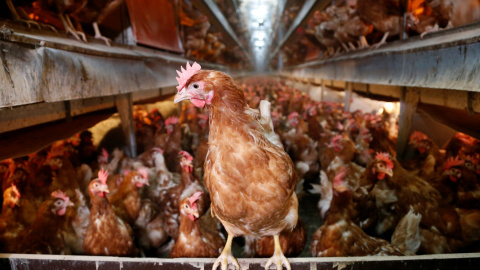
<point x="348" y="96"/>
<point x="408" y="105"/>
<point x="124" y="105"/>
<point x="28" y="140"/>
<point x="322" y="94"/>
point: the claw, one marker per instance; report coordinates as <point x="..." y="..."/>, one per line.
<point x="224" y="260"/>
<point x="226" y="257"/>
<point x="383" y="41"/>
<point x="98" y="35"/>
<point x="278" y="258"/>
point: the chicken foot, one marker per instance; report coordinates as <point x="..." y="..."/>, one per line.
<point x="278" y="258"/>
<point x="70" y="29"/>
<point x="16" y="16"/>
<point x="362" y="42"/>
<point x="382" y="42"/>
<point x="435" y="28"/>
<point x="226" y="257"/>
<point x="98" y="35"/>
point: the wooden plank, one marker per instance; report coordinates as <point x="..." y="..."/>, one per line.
<point x="29" y="115"/>
<point x="348" y="96"/>
<point x="408" y="105"/>
<point x="20" y="81"/>
<point x="28" y="140"/>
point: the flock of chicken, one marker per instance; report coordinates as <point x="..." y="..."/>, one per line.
<point x="353" y="24"/>
<point x="157" y="202"/>
<point x="200" y="39"/>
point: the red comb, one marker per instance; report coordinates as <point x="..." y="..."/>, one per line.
<point x="203" y="116"/>
<point x="293" y="115"/>
<point x="158" y="150"/>
<point x="184" y="75"/>
<point x="143" y="172"/>
<point x="452" y="162"/>
<point x="186" y="155"/>
<point x="194" y="198"/>
<point x="385" y="157"/>
<point x="419" y="136"/>
<point x="55" y="151"/>
<point x="61" y="195"/>
<point x="336" y="138"/>
<point x="338" y="179"/>
<point x="473" y="160"/>
<point x="15" y="190"/>
<point x="104" y="152"/>
<point x="102" y="176"/>
<point x="172" y="120"/>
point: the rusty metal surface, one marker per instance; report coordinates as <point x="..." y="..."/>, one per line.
<point x="48" y="68"/>
<point x="40" y="262"/>
<point x="448" y="59"/>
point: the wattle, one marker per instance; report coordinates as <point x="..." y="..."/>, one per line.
<point x="61" y="212"/>
<point x="453" y="178"/>
<point x="198" y="102"/>
<point x="381" y="176"/>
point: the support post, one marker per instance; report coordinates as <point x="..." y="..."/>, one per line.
<point x="124" y="104"/>
<point x="408" y="106"/>
<point x="322" y="93"/>
<point x="348" y="96"/>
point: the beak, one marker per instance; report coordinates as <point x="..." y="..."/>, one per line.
<point x="196" y="214"/>
<point x="70" y="204"/>
<point x="389" y="172"/>
<point x="104" y="188"/>
<point x="181" y="95"/>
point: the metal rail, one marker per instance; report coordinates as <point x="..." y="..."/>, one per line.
<point x="447" y="59"/>
<point x="40" y="262"/>
<point x="226" y="25"/>
<point x="307" y="8"/>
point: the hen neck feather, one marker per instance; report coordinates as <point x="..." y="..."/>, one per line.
<point x="100" y="206"/>
<point x="189" y="227"/>
<point x="228" y="113"/>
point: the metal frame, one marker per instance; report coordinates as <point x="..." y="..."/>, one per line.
<point x="308" y="7"/>
<point x="447" y="59"/>
<point x="49" y="79"/>
<point x="40" y="262"/>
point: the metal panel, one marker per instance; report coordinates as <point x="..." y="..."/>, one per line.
<point x="439" y="262"/>
<point x="48" y="68"/>
<point x="449" y="60"/>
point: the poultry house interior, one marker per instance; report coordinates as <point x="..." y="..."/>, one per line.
<point x="238" y="134"/>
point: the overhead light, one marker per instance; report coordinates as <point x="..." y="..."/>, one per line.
<point x="259" y="12"/>
<point x="259" y="43"/>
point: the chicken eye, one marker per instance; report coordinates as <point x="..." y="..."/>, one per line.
<point x="196" y="86"/>
<point x="186" y="206"/>
<point x="58" y="203"/>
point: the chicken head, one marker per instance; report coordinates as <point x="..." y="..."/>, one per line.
<point x="141" y="179"/>
<point x="451" y="168"/>
<point x="61" y="203"/>
<point x="11" y="196"/>
<point x="194" y="91"/>
<point x="383" y="166"/>
<point x="99" y="186"/>
<point x="189" y="207"/>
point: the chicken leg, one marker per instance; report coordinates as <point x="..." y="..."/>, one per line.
<point x="278" y="258"/>
<point x="226" y="257"/>
<point x="98" y="35"/>
<point x="382" y="42"/>
<point x="16" y="16"/>
<point x="70" y="29"/>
